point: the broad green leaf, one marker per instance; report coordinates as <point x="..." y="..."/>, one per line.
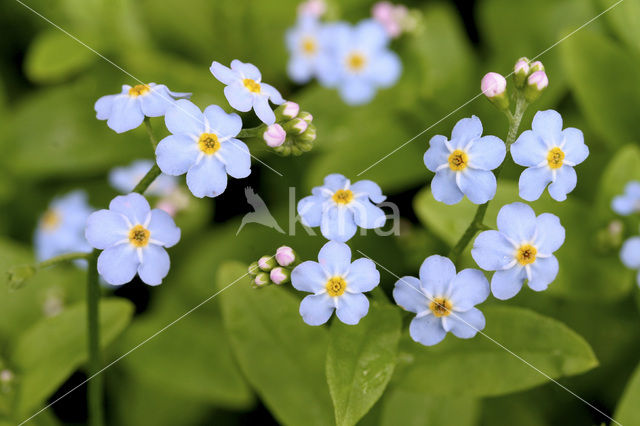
<point x="406" y="408"/>
<point x="481" y="367"/>
<point x="628" y="411"/>
<point x="282" y="357"/>
<point x="47" y="353"/>
<point x="622" y="168"/>
<point x="361" y="360"/>
<point x="624" y="17"/>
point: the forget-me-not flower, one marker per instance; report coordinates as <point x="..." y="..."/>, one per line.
<point x="61" y="228"/>
<point x="127" y="110"/>
<point x="442" y="300"/>
<point x="124" y="179"/>
<point x="245" y="89"/>
<point x="629" y="202"/>
<point x="463" y="164"/>
<point x="336" y="283"/>
<point x="132" y="238"/>
<point x="306" y="45"/>
<point x="203" y="145"/>
<point x="630" y="255"/>
<point x="550" y="154"/>
<point x="339" y="207"/>
<point x="522" y="248"/>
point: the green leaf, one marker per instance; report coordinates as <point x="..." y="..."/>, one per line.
<point x="624" y="18"/>
<point x="480" y="367"/>
<point x="418" y="409"/>
<point x="361" y="360"/>
<point x="628" y="411"/>
<point x="47" y="353"/>
<point x="282" y="357"/>
<point x="622" y="168"/>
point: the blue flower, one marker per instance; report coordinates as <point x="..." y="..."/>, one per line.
<point x="442" y="300"/>
<point x="522" y="248"/>
<point x="360" y="61"/>
<point x="336" y="283"/>
<point x="339" y="207"/>
<point x="127" y="110"/>
<point x="630" y="255"/>
<point x="463" y="165"/>
<point x="245" y="89"/>
<point x="203" y="146"/>
<point x="132" y="237"/>
<point x="629" y="202"/>
<point x="549" y="153"/>
<point x="61" y="228"/>
<point x="124" y="179"/>
<point x="306" y="45"/>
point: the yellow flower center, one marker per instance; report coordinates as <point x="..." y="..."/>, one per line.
<point x="309" y="46"/>
<point x="336" y="286"/>
<point x="555" y="158"/>
<point x="526" y="254"/>
<point x="251" y="85"/>
<point x="356" y="61"/>
<point x="458" y="160"/>
<point x="139" y="236"/>
<point x="440" y="307"/>
<point x="139" y="89"/>
<point x="50" y="220"/>
<point x="209" y="143"/>
<point x="343" y="196"/>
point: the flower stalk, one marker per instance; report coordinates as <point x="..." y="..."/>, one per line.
<point x="95" y="388"/>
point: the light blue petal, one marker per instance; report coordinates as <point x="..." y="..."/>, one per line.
<point x="486" y="153"/>
<point x="273" y="94"/>
<point x="338" y="224"/>
<point x="427" y="330"/>
<point x="366" y="215"/>
<point x="163" y="229"/>
<point x="118" y="264"/>
<point x="356" y="91"/>
<point x="104" y="106"/>
<point x="408" y="295"/>
<point x="362" y="276"/>
<point x="625" y="204"/>
<point x="157" y="101"/>
<point x="235" y="156"/>
<point x="492" y="251"/>
<point x="309" y="276"/>
<point x="437" y="154"/>
<point x="263" y="110"/>
<point x="444" y="187"/>
<point x="517" y="221"/>
<point x="316" y="309"/>
<point x="184" y="117"/>
<point x="574" y="148"/>
<point x="370" y="35"/>
<point x="328" y="71"/>
<point x="352" y="307"/>
<point x="506" y="284"/>
<point x="239" y="97"/>
<point x="630" y="253"/>
<point x="207" y="178"/>
<point x="533" y="181"/>
<point x="478" y="185"/>
<point x="529" y="150"/>
<point x="310" y="210"/>
<point x="335" y="181"/>
<point x="469" y="288"/>
<point x="335" y="258"/>
<point x="565" y="182"/>
<point x="633" y="189"/>
<point x="300" y="69"/>
<point x="548" y="125"/>
<point x="464" y="325"/>
<point x="134" y="206"/>
<point x="246" y="69"/>
<point x="385" y="69"/>
<point x="105" y="228"/>
<point x="465" y="130"/>
<point x="436" y="273"/>
<point x="155" y="264"/>
<point x="221" y="123"/>
<point x="370" y="188"/>
<point x="125" y="114"/>
<point x="543" y="272"/>
<point x="175" y="154"/>
<point x="124" y="179"/>
<point x="550" y="233"/>
<point x="223" y="74"/>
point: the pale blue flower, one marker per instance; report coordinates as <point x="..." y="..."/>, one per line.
<point x="306" y="45"/>
<point x="245" y="89"/>
<point x="629" y="202"/>
<point x="521" y="249"/>
<point x="133" y="238"/>
<point x="630" y="255"/>
<point x="124" y="179"/>
<point x="203" y="145"/>
<point x="360" y="61"/>
<point x="339" y="207"/>
<point x="550" y="154"/>
<point x="442" y="300"/>
<point x="127" y="110"/>
<point x="336" y="283"/>
<point x="61" y="228"/>
<point x="463" y="164"/>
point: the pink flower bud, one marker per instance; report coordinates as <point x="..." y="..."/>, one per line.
<point x="393" y="18"/>
<point x="536" y="66"/>
<point x="285" y="256"/>
<point x="261" y="279"/>
<point x="266" y="263"/>
<point x="493" y="84"/>
<point x="314" y="8"/>
<point x="279" y="275"/>
<point x="274" y="135"/>
<point x="300" y="126"/>
<point x="522" y="67"/>
<point x="538" y="79"/>
<point x="290" y="110"/>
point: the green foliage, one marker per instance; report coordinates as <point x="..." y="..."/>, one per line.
<point x="627" y="412"/>
<point x="418" y="409"/>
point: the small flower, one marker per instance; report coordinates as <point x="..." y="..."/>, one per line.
<point x="630" y="255"/>
<point x="127" y="110"/>
<point x="443" y="301"/>
<point x="133" y="238"/>
<point x="245" y="89"/>
<point x="285" y="256"/>
<point x="629" y="202"/>
<point x="308" y="43"/>
<point x="203" y="146"/>
<point x="274" y="135"/>
<point x="336" y="283"/>
<point x="536" y="83"/>
<point x="522" y="248"/>
<point x="61" y="228"/>
<point x="463" y="165"/>
<point x="279" y="275"/>
<point x="339" y="207"/>
<point x="124" y="179"/>
<point x="549" y="153"/>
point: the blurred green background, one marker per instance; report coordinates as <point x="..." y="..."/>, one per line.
<point x="245" y="357"/>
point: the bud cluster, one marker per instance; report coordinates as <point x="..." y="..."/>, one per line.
<point x="293" y="132"/>
<point x="274" y="269"/>
<point x="529" y="79"/>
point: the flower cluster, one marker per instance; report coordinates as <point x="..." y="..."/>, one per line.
<point x="275" y="268"/>
<point x="293" y="134"/>
<point x="628" y="204"/>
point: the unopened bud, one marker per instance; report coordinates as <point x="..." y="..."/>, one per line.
<point x="274" y="135"/>
<point x="309" y="135"/>
<point x="18" y="275"/>
<point x="279" y="275"/>
<point x="261" y="279"/>
<point x="536" y="66"/>
<point x="520" y="72"/>
<point x="287" y="111"/>
<point x="266" y="263"/>
<point x="285" y="256"/>
<point x="254" y="269"/>
<point x="536" y="83"/>
<point x="306" y="116"/>
<point x="297" y="126"/>
<point x="494" y="87"/>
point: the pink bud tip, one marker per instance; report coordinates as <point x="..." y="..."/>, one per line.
<point x="274" y="135"/>
<point x="263" y="263"/>
<point x="278" y="275"/>
<point x="260" y="280"/>
<point x="291" y="109"/>
<point x="522" y="66"/>
<point x="538" y="79"/>
<point x="300" y="126"/>
<point x="285" y="256"/>
<point x="392" y="17"/>
<point x="493" y="84"/>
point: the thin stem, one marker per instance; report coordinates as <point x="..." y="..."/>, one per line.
<point x="62" y="258"/>
<point x="152" y="138"/>
<point x="96" y="416"/>
<point x="252" y="132"/>
<point x="148" y="179"/>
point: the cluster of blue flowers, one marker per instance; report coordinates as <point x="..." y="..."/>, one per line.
<point x="629" y="204"/>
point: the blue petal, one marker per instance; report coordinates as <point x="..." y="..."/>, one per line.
<point x="362" y="276"/>
<point x="300" y="69"/>
<point x="163" y="229"/>
<point x="630" y="253"/>
<point x="239" y="97"/>
<point x="208" y="178"/>
<point x="338" y="224"/>
<point x="370" y="35"/>
<point x="352" y="307"/>
<point x="466" y="130"/>
<point x="529" y="149"/>
<point x="409" y="296"/>
<point x="246" y="69"/>
<point x="487" y="153"/>
<point x="175" y="154"/>
<point x="437" y="154"/>
<point x="335" y="181"/>
<point x="335" y="258"/>
<point x="316" y="309"/>
<point x="506" y="284"/>
<point x="356" y="91"/>
<point x="328" y="70"/>
<point x="134" y="206"/>
<point x="548" y="125"/>
<point x="550" y="233"/>
<point x="155" y="264"/>
<point x="564" y="182"/>
<point x="444" y="187"/>
<point x="517" y="221"/>
<point x="436" y="273"/>
<point x="574" y="148"/>
<point x="468" y="288"/>
<point x="104" y="106"/>
<point x="310" y="210"/>
<point x="184" y="117"/>
<point x="625" y="204"/>
<point x="157" y="101"/>
<point x="221" y="123"/>
<point x="427" y="330"/>
<point x="633" y="189"/>
<point x="125" y="114"/>
<point x="236" y="158"/>
<point x="263" y="110"/>
<point x="309" y="276"/>
<point x="492" y="251"/>
<point x="366" y="215"/>
<point x="370" y="188"/>
<point x="464" y="325"/>
<point x="385" y="68"/>
<point x="273" y="94"/>
<point x="478" y="185"/>
<point x="223" y="74"/>
<point x="105" y="228"/>
<point x="118" y="264"/>
<point x="543" y="272"/>
<point x="533" y="181"/>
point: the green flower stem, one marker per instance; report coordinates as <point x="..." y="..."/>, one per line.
<point x="96" y="416"/>
<point x="152" y="138"/>
<point x="253" y="132"/>
<point x="478" y="219"/>
<point x="147" y="180"/>
<point x="61" y="259"/>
